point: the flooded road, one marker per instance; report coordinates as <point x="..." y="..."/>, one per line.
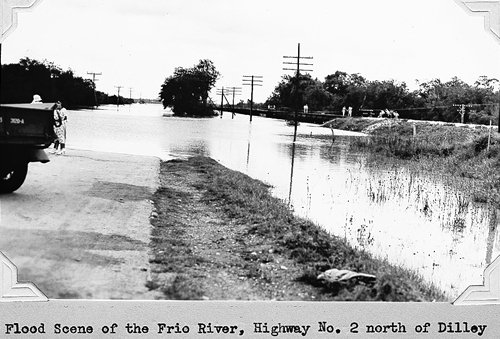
<point x="411" y="218"/>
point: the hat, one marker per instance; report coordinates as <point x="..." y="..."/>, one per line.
<point x="36" y="99"/>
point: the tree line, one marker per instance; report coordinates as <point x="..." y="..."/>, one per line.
<point x="433" y="100"/>
<point x="187" y="92"/>
<point x="22" y="80"/>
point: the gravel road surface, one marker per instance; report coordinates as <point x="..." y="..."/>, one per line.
<point x="79" y="226"/>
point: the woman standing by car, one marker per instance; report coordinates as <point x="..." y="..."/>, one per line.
<point x="60" y="119"/>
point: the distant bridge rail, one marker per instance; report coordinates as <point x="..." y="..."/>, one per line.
<point x="311" y="117"/>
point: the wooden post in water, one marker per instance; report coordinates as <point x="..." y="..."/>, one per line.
<point x="489" y="138"/>
<point x="492" y="230"/>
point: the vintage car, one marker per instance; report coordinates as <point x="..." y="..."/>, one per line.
<point x="25" y="131"/>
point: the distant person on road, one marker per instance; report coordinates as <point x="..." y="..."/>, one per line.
<point x="350" y="111"/>
<point x="343" y="111"/>
<point x="37" y="99"/>
<point x="60" y="119"/>
<point x="306" y="109"/>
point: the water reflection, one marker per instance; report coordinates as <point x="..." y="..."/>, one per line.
<point x="415" y="219"/>
<point x="291" y="177"/>
<point x="249" y="143"/>
<point x="492" y="233"/>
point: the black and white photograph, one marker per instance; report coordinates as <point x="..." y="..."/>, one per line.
<point x="219" y="150"/>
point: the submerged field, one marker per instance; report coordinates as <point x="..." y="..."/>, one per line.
<point x="219" y="234"/>
<point x="463" y="151"/>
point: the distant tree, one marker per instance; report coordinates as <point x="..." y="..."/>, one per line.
<point x="388" y="94"/>
<point x="346" y="90"/>
<point x="316" y="97"/>
<point x="186" y="91"/>
<point x="290" y="94"/>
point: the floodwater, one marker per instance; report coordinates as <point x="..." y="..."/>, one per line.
<point x="418" y="220"/>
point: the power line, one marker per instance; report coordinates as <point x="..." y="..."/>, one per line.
<point x="235" y="91"/>
<point x="252" y="80"/>
<point x="220" y="91"/>
<point x="94" y="79"/>
<point x="461" y="110"/>
<point x="118" y="96"/>
<point x="298" y="62"/>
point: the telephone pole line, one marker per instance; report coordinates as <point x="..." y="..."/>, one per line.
<point x="222" y="97"/>
<point x="252" y="80"/>
<point x="118" y="96"/>
<point x="94" y="74"/>
<point x="297" y="81"/>
<point x="235" y="91"/>
<point x="461" y="110"/>
<point x="130" y="93"/>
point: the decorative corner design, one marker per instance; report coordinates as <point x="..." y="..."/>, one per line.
<point x="488" y="293"/>
<point x="11" y="289"/>
<point x="489" y="9"/>
<point x="8" y="14"/>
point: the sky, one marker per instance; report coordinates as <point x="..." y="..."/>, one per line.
<point x="137" y="44"/>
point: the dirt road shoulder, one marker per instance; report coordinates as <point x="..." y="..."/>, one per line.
<point x="221" y="235"/>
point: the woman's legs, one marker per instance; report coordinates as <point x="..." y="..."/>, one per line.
<point x="62" y="150"/>
<point x="56" y="146"/>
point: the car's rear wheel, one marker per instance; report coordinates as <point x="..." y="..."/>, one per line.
<point x="12" y="178"/>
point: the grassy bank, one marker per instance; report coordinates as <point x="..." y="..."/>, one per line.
<point x="219" y="234"/>
<point x="460" y="151"/>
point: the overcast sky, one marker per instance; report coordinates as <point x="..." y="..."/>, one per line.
<point x="139" y="43"/>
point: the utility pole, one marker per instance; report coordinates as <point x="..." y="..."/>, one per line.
<point x="221" y="93"/>
<point x="297" y="81"/>
<point x="118" y="96"/>
<point x="130" y="93"/>
<point x="222" y="97"/>
<point x="252" y="80"/>
<point x="235" y="91"/>
<point x="461" y="110"/>
<point x="94" y="74"/>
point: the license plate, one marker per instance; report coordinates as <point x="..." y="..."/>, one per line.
<point x="17" y="121"/>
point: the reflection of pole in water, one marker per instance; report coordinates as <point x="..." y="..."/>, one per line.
<point x="492" y="229"/>
<point x="291" y="176"/>
<point x="248" y="148"/>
